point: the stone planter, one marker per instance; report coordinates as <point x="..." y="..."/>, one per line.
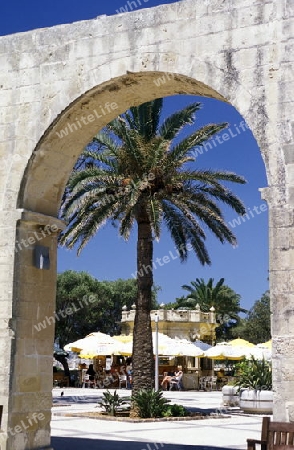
<point x="230" y="396"/>
<point x="260" y="402"/>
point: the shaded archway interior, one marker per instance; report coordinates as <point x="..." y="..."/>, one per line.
<point x="56" y="153"/>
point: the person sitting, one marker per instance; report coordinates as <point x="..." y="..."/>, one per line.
<point x="129" y="371"/>
<point x="108" y="379"/>
<point x="176" y="377"/>
<point x="91" y="372"/>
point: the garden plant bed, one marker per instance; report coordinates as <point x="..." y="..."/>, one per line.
<point x="125" y="418"/>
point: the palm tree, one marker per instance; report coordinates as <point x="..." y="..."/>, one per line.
<point x="224" y="299"/>
<point x="137" y="173"/>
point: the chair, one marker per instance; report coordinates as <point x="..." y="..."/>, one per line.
<point x="202" y="383"/>
<point x="176" y="383"/>
<point x="122" y="379"/>
<point x="212" y="383"/>
<point x="86" y="381"/>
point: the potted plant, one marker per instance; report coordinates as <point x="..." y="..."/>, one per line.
<point x="255" y="386"/>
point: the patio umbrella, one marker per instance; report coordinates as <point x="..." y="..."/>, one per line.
<point x="96" y="344"/>
<point x="182" y="347"/>
<point x="241" y="343"/>
<point x="259" y="353"/>
<point x="267" y="344"/>
<point x="225" y="351"/>
<point x="166" y="346"/>
<point x="127" y="340"/>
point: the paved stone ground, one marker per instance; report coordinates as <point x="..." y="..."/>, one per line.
<point x="74" y="433"/>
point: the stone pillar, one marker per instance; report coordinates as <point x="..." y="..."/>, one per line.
<point x="7" y="238"/>
<point x="281" y="256"/>
<point x="30" y="391"/>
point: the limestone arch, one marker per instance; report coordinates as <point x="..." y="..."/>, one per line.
<point x="242" y="56"/>
<point x="43" y="185"/>
<point x="56" y="155"/>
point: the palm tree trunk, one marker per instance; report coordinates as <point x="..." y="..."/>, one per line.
<point x="143" y="360"/>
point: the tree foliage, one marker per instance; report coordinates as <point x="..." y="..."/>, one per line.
<point x="137" y="172"/>
<point x="225" y="301"/>
<point x="85" y="305"/>
<point x="256" y="327"/>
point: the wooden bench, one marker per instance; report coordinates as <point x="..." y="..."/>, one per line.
<point x="274" y="436"/>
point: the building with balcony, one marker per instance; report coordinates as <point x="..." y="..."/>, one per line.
<point x="192" y="324"/>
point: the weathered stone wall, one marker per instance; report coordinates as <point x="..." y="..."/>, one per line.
<point x="77" y="78"/>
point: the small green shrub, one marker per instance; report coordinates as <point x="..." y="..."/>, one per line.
<point x="150" y="403"/>
<point x="175" y="411"/>
<point x="111" y="402"/>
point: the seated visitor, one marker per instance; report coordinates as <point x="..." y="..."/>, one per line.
<point x="108" y="379"/>
<point x="176" y="377"/>
<point x="91" y="372"/>
<point x="129" y="371"/>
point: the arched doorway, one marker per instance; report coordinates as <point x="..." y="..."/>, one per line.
<point x="85" y="85"/>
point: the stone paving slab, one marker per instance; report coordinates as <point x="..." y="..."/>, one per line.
<point x="74" y="433"/>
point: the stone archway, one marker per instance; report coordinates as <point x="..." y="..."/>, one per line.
<point x="54" y="80"/>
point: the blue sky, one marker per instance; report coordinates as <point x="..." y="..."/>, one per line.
<point x="245" y="268"/>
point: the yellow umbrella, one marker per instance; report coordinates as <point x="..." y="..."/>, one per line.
<point x="241" y="343"/>
<point x="124" y="338"/>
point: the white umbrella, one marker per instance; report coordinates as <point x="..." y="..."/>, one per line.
<point x="259" y="353"/>
<point x="166" y="346"/>
<point x="187" y="348"/>
<point x="225" y="351"/>
<point x="96" y="344"/>
<point x="163" y="341"/>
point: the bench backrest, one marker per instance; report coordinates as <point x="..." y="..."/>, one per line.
<point x="278" y="435"/>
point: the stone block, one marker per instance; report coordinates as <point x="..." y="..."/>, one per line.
<point x="43" y="345"/>
<point x="46" y="381"/>
<point x="289" y="8"/>
<point x="282" y="217"/>
<point x="27" y="364"/>
<point x="285" y="73"/>
<point x="289" y="153"/>
<point x="290" y="174"/>
<point x="28" y="383"/>
<point x="32" y="402"/>
<point x="5" y="309"/>
<point x="286" y="50"/>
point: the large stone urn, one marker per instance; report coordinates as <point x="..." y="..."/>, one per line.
<point x="230" y="395"/>
<point x="256" y="401"/>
